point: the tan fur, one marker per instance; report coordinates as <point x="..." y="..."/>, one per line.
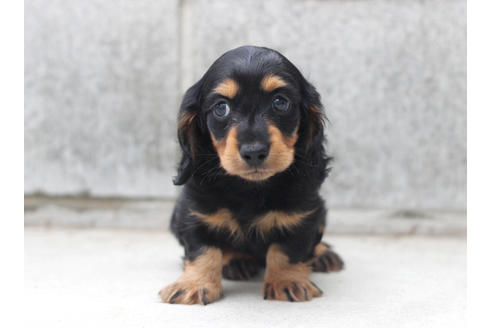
<point x="272" y="82"/>
<point x="186" y="119"/>
<point x="231" y="160"/>
<point x="277" y="220"/>
<point x="185" y="127"/>
<point x="200" y="282"/>
<point x="320" y="249"/>
<point x="227" y="88"/>
<point x="228" y="152"/>
<point x="281" y="148"/>
<point x="222" y="219"/>
<point x="282" y="276"/>
<point x="280" y="157"/>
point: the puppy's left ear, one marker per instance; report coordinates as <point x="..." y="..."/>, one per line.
<point x="188" y="133"/>
<point x="313" y="118"/>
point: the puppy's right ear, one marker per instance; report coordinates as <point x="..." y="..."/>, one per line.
<point x="188" y="132"/>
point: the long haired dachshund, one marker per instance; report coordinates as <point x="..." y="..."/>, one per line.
<point x="253" y="161"/>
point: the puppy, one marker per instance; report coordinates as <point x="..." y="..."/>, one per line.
<point x="253" y="160"/>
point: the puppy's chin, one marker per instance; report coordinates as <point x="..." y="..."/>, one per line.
<point x="256" y="174"/>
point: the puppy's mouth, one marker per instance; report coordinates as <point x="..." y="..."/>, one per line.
<point x="248" y="167"/>
<point x="257" y="174"/>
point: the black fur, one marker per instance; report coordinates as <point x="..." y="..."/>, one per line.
<point x="208" y="187"/>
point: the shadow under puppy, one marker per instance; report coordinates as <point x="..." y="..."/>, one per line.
<point x="251" y="133"/>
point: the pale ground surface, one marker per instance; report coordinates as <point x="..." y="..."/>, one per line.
<point x="109" y="278"/>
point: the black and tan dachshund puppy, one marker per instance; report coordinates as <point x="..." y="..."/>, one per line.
<point x="251" y="134"/>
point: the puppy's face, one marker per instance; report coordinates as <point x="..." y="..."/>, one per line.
<point x="250" y="103"/>
<point x="253" y="117"/>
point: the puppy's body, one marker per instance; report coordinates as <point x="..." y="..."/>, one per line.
<point x="248" y="204"/>
<point x="253" y="161"/>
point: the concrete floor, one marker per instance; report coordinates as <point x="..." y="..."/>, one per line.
<point x="108" y="278"/>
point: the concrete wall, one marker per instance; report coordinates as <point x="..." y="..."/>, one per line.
<point x="103" y="81"/>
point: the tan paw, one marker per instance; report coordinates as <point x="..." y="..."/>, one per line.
<point x="188" y="292"/>
<point x="292" y="291"/>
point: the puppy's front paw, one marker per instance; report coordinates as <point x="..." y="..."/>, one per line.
<point x="292" y="291"/>
<point x="189" y="292"/>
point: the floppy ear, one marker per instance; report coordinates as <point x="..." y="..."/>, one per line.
<point x="188" y="132"/>
<point x="313" y="117"/>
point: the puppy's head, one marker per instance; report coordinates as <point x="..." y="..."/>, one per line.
<point x="254" y="110"/>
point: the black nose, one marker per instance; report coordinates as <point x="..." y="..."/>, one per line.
<point x="254" y="154"/>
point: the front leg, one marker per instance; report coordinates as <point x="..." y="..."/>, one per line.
<point x="201" y="281"/>
<point x="287" y="281"/>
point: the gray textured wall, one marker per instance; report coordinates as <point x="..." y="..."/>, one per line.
<point x="103" y="81"/>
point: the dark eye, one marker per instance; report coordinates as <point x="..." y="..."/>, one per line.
<point x="280" y="104"/>
<point x="221" y="109"/>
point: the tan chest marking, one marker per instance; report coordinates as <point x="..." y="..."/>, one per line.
<point x="221" y="220"/>
<point x="277" y="220"/>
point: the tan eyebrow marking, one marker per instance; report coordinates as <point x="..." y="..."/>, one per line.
<point x="227" y="88"/>
<point x="272" y="82"/>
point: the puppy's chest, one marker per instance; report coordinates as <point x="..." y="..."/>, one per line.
<point x="241" y="225"/>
